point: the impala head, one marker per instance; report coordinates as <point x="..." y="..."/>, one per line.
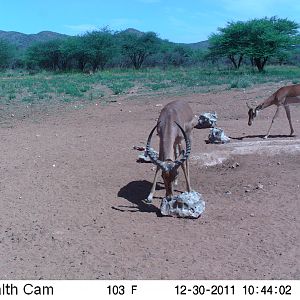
<point x="169" y="167"/>
<point x="169" y="172"/>
<point x="252" y="113"/>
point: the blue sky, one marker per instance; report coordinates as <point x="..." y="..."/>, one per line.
<point x="184" y="21"/>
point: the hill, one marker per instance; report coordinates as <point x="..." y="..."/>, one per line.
<point x="200" y="45"/>
<point x="23" y="41"/>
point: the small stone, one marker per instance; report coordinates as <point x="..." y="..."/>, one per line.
<point x="216" y="136"/>
<point x="247" y="191"/>
<point x="235" y="165"/>
<point x="252" y="215"/>
<point x="139" y="148"/>
<point x="259" y="186"/>
<point x="278" y="163"/>
<point x="228" y="193"/>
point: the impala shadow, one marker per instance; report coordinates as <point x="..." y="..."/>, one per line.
<point x="136" y="192"/>
<point x="273" y="136"/>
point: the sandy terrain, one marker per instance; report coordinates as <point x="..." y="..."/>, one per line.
<point x="71" y="196"/>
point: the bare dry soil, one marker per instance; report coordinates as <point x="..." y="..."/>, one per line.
<point x="71" y="195"/>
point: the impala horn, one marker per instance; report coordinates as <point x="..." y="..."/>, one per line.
<point x="186" y="154"/>
<point x="151" y="153"/>
<point x="177" y="162"/>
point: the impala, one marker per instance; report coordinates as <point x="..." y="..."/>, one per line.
<point x="174" y="126"/>
<point x="282" y="97"/>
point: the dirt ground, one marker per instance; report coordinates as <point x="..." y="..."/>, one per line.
<point x="71" y="195"/>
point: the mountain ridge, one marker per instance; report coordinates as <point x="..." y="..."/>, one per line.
<point x="23" y="40"/>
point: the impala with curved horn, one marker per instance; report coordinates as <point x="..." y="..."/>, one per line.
<point x="174" y="126"/>
<point x="284" y="96"/>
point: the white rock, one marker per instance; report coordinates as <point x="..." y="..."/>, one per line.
<point x="217" y="136"/>
<point x="185" y="205"/>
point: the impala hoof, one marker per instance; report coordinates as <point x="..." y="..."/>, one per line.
<point x="148" y="200"/>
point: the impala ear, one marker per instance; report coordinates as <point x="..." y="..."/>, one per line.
<point x="248" y="105"/>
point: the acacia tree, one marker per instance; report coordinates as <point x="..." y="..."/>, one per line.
<point x="268" y="38"/>
<point x="94" y="48"/>
<point x="259" y="39"/>
<point x="137" y="47"/>
<point x="229" y="42"/>
<point x="46" y="55"/>
<point x="73" y="53"/>
<point x="100" y="45"/>
<point x="6" y="53"/>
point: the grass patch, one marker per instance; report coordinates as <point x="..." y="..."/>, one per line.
<point x="158" y="86"/>
<point x="119" y="87"/>
<point x="242" y="82"/>
<point x="23" y="87"/>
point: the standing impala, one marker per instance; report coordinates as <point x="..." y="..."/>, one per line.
<point x="282" y="97"/>
<point x="174" y="125"/>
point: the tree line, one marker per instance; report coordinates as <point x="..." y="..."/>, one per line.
<point x="254" y="42"/>
<point x="98" y="50"/>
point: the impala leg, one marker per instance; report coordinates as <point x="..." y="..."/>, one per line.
<point x="275" y="116"/>
<point x="188" y="172"/>
<point x="176" y="153"/>
<point x="185" y="170"/>
<point x="188" y="166"/>
<point x="150" y="197"/>
<point x="288" y="114"/>
<point x="188" y="185"/>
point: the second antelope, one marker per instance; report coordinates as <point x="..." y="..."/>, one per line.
<point x="174" y="126"/>
<point x="282" y="97"/>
